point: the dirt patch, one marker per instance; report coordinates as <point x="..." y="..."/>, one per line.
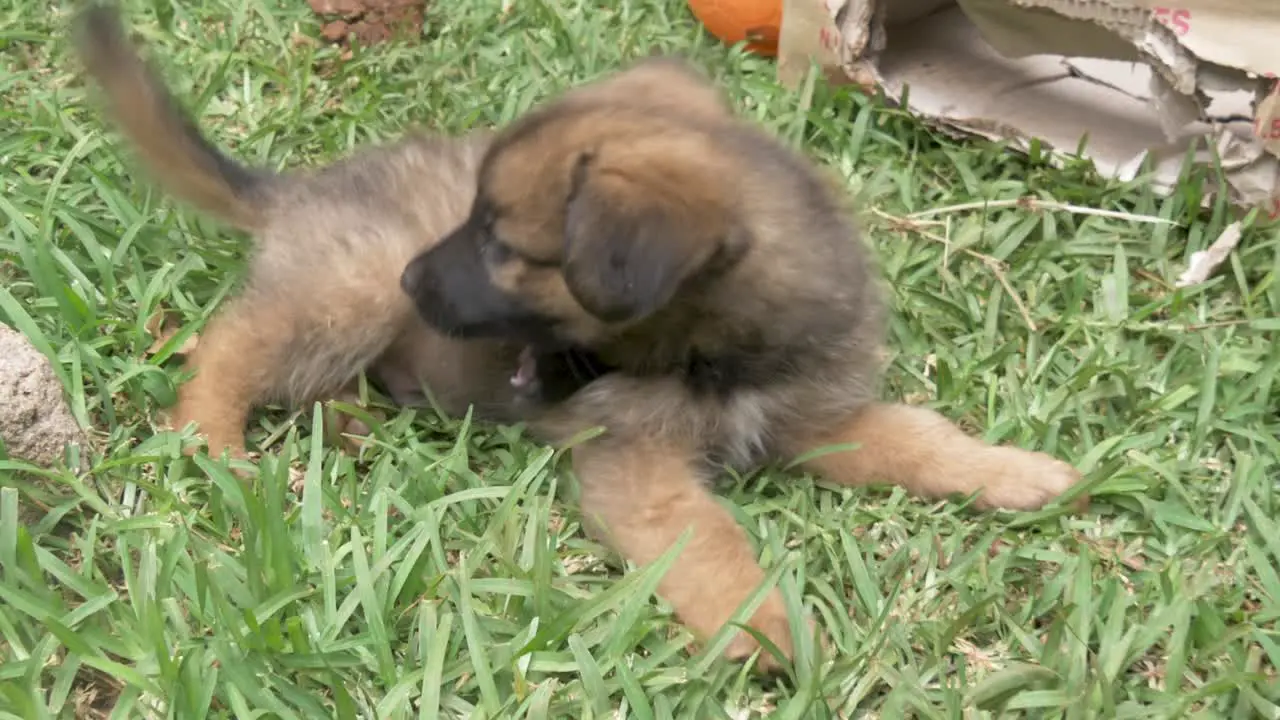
<point x="369" y="21"/>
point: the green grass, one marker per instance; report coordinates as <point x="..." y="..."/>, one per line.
<point x="444" y="572"/>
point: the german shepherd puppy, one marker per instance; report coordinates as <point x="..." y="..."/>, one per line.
<point x="630" y="256"/>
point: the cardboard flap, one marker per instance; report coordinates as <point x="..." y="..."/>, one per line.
<point x="1131" y="81"/>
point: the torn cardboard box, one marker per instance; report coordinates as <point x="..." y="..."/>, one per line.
<point x="1133" y="82"/>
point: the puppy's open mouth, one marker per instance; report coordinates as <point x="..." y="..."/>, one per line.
<point x="552" y="376"/>
<point x="526" y="375"/>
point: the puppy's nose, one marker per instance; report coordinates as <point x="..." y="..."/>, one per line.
<point x="411" y="277"/>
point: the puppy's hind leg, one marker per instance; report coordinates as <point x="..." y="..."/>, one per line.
<point x="641" y="498"/>
<point x="267" y="345"/>
<point x="925" y="453"/>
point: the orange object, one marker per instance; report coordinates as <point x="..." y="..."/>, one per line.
<point x="756" y="21"/>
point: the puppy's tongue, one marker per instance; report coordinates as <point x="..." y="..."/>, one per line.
<point x="526" y="371"/>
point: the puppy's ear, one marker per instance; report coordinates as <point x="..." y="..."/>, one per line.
<point x="635" y="235"/>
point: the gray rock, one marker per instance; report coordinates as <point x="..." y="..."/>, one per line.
<point x="35" y="422"/>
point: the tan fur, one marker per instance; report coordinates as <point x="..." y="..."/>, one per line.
<point x="732" y="312"/>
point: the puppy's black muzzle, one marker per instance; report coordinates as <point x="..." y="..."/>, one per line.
<point x="450" y="287"/>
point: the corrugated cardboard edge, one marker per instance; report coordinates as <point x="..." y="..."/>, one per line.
<point x="848" y="39"/>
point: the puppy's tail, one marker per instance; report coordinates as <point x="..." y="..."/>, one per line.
<point x="168" y="142"/>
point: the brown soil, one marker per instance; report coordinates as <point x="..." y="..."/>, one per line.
<point x="369" y="21"/>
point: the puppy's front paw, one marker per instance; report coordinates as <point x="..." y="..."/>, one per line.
<point x="348" y="431"/>
<point x="770" y="621"/>
<point x="1015" y="479"/>
<point x="216" y="438"/>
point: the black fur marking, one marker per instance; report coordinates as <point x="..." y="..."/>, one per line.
<point x="561" y="374"/>
<point x="724" y="375"/>
<point x="452" y="291"/>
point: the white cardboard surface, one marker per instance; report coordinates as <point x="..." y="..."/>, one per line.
<point x="1139" y="81"/>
